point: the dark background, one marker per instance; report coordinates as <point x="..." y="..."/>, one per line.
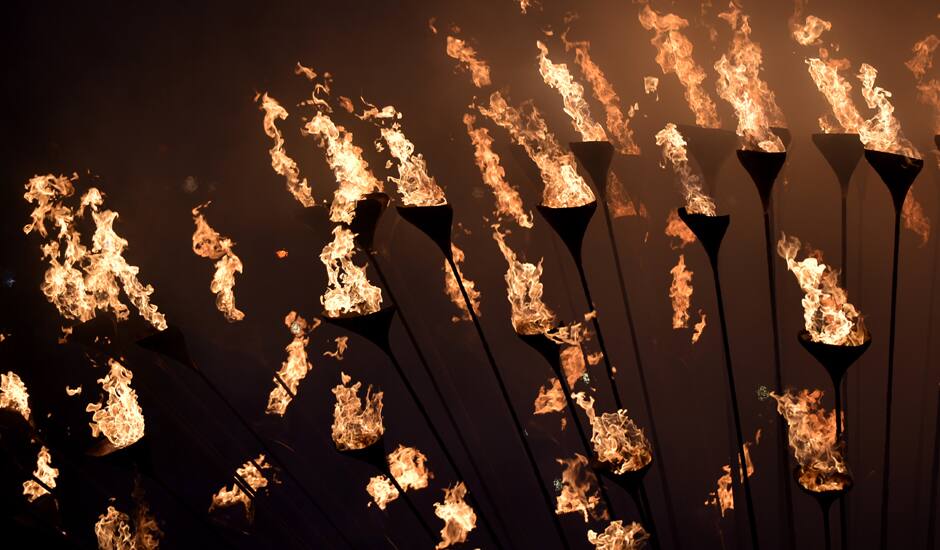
<point x="146" y="96"/>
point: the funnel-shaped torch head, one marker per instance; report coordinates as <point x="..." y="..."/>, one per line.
<point x="373" y="455"/>
<point x="374" y="327"/>
<point x="548" y="348"/>
<point x="710" y="147"/>
<point x="629" y="481"/>
<point x="433" y="221"/>
<point x="170" y="343"/>
<point x="570" y="224"/>
<point x="842" y="152"/>
<point x="763" y="168"/>
<point x="368" y="211"/>
<point x="835" y="359"/>
<point x="709" y="230"/>
<point x="595" y="158"/>
<point x="898" y="173"/>
<point x="825" y="498"/>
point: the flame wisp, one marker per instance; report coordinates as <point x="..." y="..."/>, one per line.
<point x="253" y="477"/>
<point x="558" y="77"/>
<point x="295" y="368"/>
<point x="280" y="162"/>
<point x="617" y="440"/>
<point x="452" y="288"/>
<point x="357" y="423"/>
<point x="120" y="420"/>
<point x="618" y="537"/>
<point x="812" y="435"/>
<point x="44" y="472"/>
<point x="209" y="244"/>
<point x="675" y="153"/>
<point x="459" y="518"/>
<point x="13" y="394"/>
<point x="348" y="288"/>
<point x="524" y="289"/>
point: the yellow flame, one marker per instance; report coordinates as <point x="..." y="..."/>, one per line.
<point x="348" y="288"/>
<point x="915" y="219"/>
<point x="408" y="465"/>
<point x="650" y="85"/>
<point x="253" y="477"/>
<point x="558" y="77"/>
<point x="617" y="440"/>
<point x="459" y="518"/>
<point x="680" y="292"/>
<point x="677" y="229"/>
<point x="809" y="32"/>
<point x="618" y="537"/>
<point x="837" y="91"/>
<point x="928" y="91"/>
<point x="13" y="394"/>
<point x="674" y="55"/>
<point x="280" y="162"/>
<point x="452" y="288"/>
<point x="357" y="423"/>
<point x="115" y="531"/>
<point x="674" y="152"/>
<point x="812" y="435"/>
<point x="579" y="489"/>
<point x="619" y="201"/>
<point x="120" y="420"/>
<point x="44" y="472"/>
<point x="699" y="327"/>
<point x="382" y="491"/>
<point x="209" y="244"/>
<point x="524" y="289"/>
<point x="882" y="132"/>
<point x="723" y="496"/>
<point x="71" y="392"/>
<point x="550" y="398"/>
<point x="296" y="367"/>
<point x="467" y="56"/>
<point x="342" y="342"/>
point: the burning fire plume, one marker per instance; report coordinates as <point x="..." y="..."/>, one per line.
<point x="674" y="55"/>
<point x="564" y="187"/>
<point x="459" y="518"/>
<point x="357" y="423"/>
<point x="407" y="465"/>
<point x="296" y="367"/>
<point x="253" y="477"/>
<point x="120" y="420"/>
<point x="828" y="316"/>
<point x="80" y="281"/>
<point x="13" y="394"/>
<point x="677" y="229"/>
<point x="739" y="83"/>
<point x="342" y="342"/>
<point x="723" y="497"/>
<point x="280" y="162"/>
<point x="348" y="288"/>
<point x="44" y="472"/>
<point x="617" y="124"/>
<point x="579" y="489"/>
<point x="115" y="531"/>
<point x="837" y="91"/>
<point x="812" y="28"/>
<point x="550" y="398"/>
<point x="618" y="537"/>
<point x="209" y="244"/>
<point x="619" y="202"/>
<point x="467" y="56"/>
<point x="382" y="491"/>
<point x="928" y="91"/>
<point x="508" y="201"/>
<point x="570" y="337"/>
<point x="452" y="288"/>
<point x="524" y="289"/>
<point x="812" y="434"/>
<point x="674" y="152"/>
<point x="680" y="292"/>
<point x="617" y="440"/>
<point x="914" y="218"/>
<point x="882" y="132"/>
<point x="572" y="93"/>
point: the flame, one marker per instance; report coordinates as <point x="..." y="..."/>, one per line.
<point x="572" y="93"/>
<point x="723" y="497"/>
<point x="524" y="5"/>
<point x="617" y="440"/>
<point x="617" y="124"/>
<point x="677" y="228"/>
<point x="459" y="518"/>
<point x="739" y="83"/>
<point x="120" y="420"/>
<point x="73" y="392"/>
<point x="280" y="162"/>
<point x="467" y="56"/>
<point x="564" y="187"/>
<point x="809" y="32"/>
<point x="382" y="491"/>
<point x="115" y="532"/>
<point x="827" y="315"/>
<point x="209" y="244"/>
<point x="650" y="84"/>
<point x="928" y="91"/>
<point x="341" y="343"/>
<point x="572" y="355"/>
<point x="13" y="394"/>
<point x="508" y="201"/>
<point x="837" y="90"/>
<point x="915" y="219"/>
<point x="618" y="537"/>
<point x="699" y="327"/>
<point x="674" y="152"/>
<point x="348" y="289"/>
<point x="550" y="399"/>
<point x="579" y="489"/>
<point x="674" y="55"/>
<point x="882" y="132"/>
<point x="295" y="368"/>
<point x="75" y="294"/>
<point x="357" y="424"/>
<point x="524" y="289"/>
<point x="44" y="472"/>
<point x="680" y="292"/>
<point x="812" y="434"/>
<point x="452" y="288"/>
<point x="619" y="202"/>
<point x="253" y="477"/>
<point x="407" y="464"/>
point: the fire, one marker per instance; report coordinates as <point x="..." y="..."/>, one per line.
<point x="570" y="337"/>
<point x="280" y="162"/>
<point x="382" y="491"/>
<point x="699" y="326"/>
<point x="44" y="472"/>
<point x="120" y="420"/>
<point x="620" y="203"/>
<point x="209" y="244"/>
<point x="680" y="292"/>
<point x="928" y="91"/>
<point x="408" y="466"/>
<point x="342" y="342"/>
<point x="71" y="392"/>
<point x="348" y="289"/>
<point x="115" y="531"/>
<point x="85" y="280"/>
<point x="508" y="201"/>
<point x="827" y="315"/>
<point x="723" y="497"/>
<point x="524" y="5"/>
<point x="837" y="90"/>
<point x="524" y="289"/>
<point x="674" y="55"/>
<point x="452" y="288"/>
<point x="564" y="187"/>
<point x="617" y="124"/>
<point x="253" y="477"/>
<point x="882" y="132"/>
<point x="579" y="490"/>
<point x="13" y="394"/>
<point x="674" y="152"/>
<point x="915" y="219"/>
<point x="809" y="32"/>
<point x="677" y="228"/>
<point x="467" y="56"/>
<point x="812" y="434"/>
<point x="739" y="83"/>
<point x="296" y="367"/>
<point x="357" y="424"/>
<point x="550" y="399"/>
<point x="459" y="518"/>
<point x="650" y="84"/>
<point x="617" y="440"/>
<point x="618" y="537"/>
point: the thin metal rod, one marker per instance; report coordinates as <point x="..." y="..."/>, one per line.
<point x="411" y="505"/>
<point x="600" y="335"/>
<point x="843" y="523"/>
<point x="450" y="416"/>
<point x="889" y="389"/>
<point x="654" y="434"/>
<point x="752" y="521"/>
<point x="935" y="468"/>
<point x="845" y="246"/>
<point x="827" y="531"/>
<point x="649" y="517"/>
<point x="546" y="497"/>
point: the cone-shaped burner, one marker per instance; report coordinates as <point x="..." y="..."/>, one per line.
<point x="763" y="168"/>
<point x="710" y="147"/>
<point x="836" y="360"/>
<point x="825" y="500"/>
<point x="374" y="327"/>
<point x="373" y="455"/>
<point x="548" y="349"/>
<point x="784" y="134"/>
<point x="369" y="210"/>
<point x="898" y="172"/>
<point x="595" y="157"/>
<point x="170" y="343"/>
<point x="570" y="224"/>
<point x="710" y="230"/>
<point x="842" y="152"/>
<point x="433" y="221"/>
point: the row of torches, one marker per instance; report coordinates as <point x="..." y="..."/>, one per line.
<point x="82" y="281"/>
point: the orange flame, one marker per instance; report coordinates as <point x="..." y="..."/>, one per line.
<point x="699" y="327"/>
<point x="572" y="93"/>
<point x="280" y="162"/>
<point x="13" y="394"/>
<point x="120" y="420"/>
<point x="253" y="477"/>
<point x="115" y="531"/>
<point x="570" y="337"/>
<point x="357" y="423"/>
<point x="295" y="368"/>
<point x="209" y="244"/>
<point x="341" y="344"/>
<point x="524" y="289"/>
<point x="680" y="292"/>
<point x="928" y="91"/>
<point x="348" y="288"/>
<point x="618" y="537"/>
<point x="650" y="85"/>
<point x="408" y="466"/>
<point x="579" y="489"/>
<point x="882" y="132"/>
<point x="459" y="518"/>
<point x="44" y="472"/>
<point x="812" y="434"/>
<point x="619" y="201"/>
<point x="564" y="187"/>
<point x="723" y="497"/>
<point x="382" y="491"/>
<point x="617" y="440"/>
<point x="677" y="228"/>
<point x="809" y="32"/>
<point x="452" y="288"/>
<point x="508" y="201"/>
<point x="550" y="399"/>
<point x="674" y="55"/>
<point x="915" y="219"/>
<point x="827" y="315"/>
<point x="837" y="90"/>
<point x="467" y="56"/>
<point x="674" y="152"/>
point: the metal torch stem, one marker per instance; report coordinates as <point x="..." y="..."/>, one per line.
<point x="889" y="390"/>
<point x="932" y="507"/>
